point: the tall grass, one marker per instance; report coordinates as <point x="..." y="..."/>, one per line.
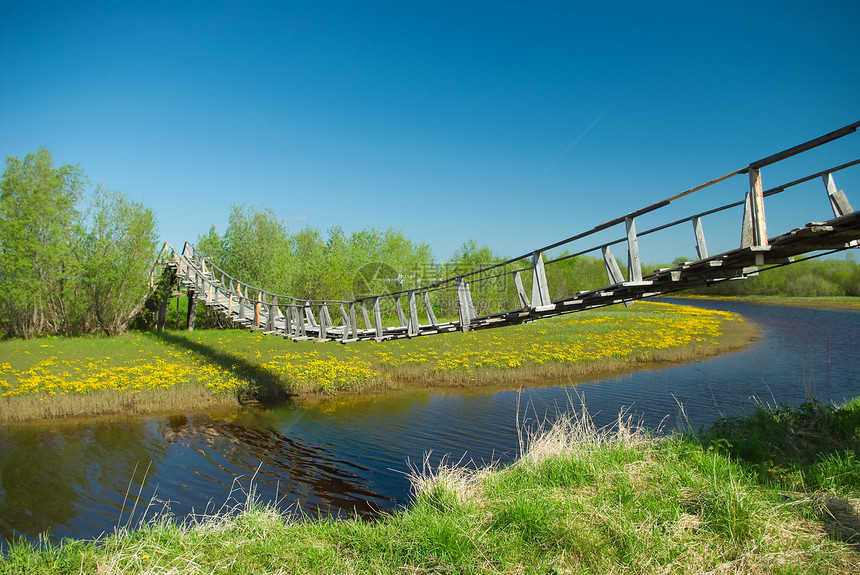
<point x="579" y="500"/>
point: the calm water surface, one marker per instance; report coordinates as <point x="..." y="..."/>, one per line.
<point x="352" y="455"/>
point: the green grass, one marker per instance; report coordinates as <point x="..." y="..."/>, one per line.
<point x="812" y="447"/>
<point x="579" y="500"/>
<point x="149" y="372"/>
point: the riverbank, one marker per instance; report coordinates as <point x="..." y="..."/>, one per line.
<point x="147" y="372"/>
<point x="843" y="303"/>
<point x="579" y="500"/>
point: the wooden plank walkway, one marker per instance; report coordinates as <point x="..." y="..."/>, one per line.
<point x="299" y="319"/>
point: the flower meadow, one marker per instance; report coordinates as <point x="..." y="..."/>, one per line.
<point x="568" y="340"/>
<point x="228" y="361"/>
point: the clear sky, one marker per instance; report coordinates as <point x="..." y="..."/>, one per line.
<point x="516" y="123"/>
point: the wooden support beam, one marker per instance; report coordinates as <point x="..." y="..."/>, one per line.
<point x="168" y="278"/>
<point x="838" y="199"/>
<point x="465" y="306"/>
<point x="324" y="321"/>
<point x="243" y="299"/>
<point x="258" y="304"/>
<point x="299" y="311"/>
<point x="344" y="316"/>
<point x="414" y="327"/>
<point x="634" y="265"/>
<point x="613" y="271"/>
<point x="758" y="219"/>
<point x="431" y="317"/>
<point x="367" y="324"/>
<point x="747" y="235"/>
<point x="701" y="248"/>
<point x="309" y="314"/>
<point x="273" y="309"/>
<point x="377" y="315"/>
<point x="521" y="292"/>
<point x="540" y="290"/>
<point x="401" y="317"/>
<point x="192" y="310"/>
<point x="352" y="322"/>
<point x="839" y="203"/>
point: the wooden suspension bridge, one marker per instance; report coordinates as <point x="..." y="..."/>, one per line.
<point x="362" y="318"/>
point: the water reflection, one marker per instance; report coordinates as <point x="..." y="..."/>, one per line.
<point x="69" y="478"/>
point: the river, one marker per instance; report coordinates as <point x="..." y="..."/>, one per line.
<point x="344" y="456"/>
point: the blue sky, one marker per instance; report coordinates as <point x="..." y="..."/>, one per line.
<point x="515" y="123"/>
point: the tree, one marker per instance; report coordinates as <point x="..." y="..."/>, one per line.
<point x="118" y="254"/>
<point x="39" y="227"/>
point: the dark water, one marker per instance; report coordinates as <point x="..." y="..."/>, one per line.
<point x="345" y="456"/>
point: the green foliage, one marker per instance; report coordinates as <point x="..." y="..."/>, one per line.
<point x="804" y="278"/>
<point x="814" y="446"/>
<point x="571" y="275"/>
<point x="257" y="248"/>
<point x="117" y="258"/>
<point x="61" y="272"/>
<point x="39" y="226"/>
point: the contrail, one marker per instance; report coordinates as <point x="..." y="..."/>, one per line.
<point x="308" y="166"/>
<point x="540" y="177"/>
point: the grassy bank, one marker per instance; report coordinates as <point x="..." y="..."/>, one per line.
<point x="579" y="500"/>
<point x="149" y="372"/>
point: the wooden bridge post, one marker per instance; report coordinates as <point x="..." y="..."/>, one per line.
<point x="292" y="319"/>
<point x="464" y="304"/>
<point x="377" y="315"/>
<point x="273" y="307"/>
<point x="540" y="290"/>
<point x="759" y="227"/>
<point x="367" y="323"/>
<point x="634" y="265"/>
<point x="325" y="321"/>
<point x="258" y="307"/>
<point x="242" y="299"/>
<point x="230" y="297"/>
<point x="414" y="327"/>
<point x="299" y="311"/>
<point x="352" y="322"/>
<point x="192" y="310"/>
<point x="167" y="280"/>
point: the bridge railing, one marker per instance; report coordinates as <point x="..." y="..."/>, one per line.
<point x="528" y="293"/>
<point x="753" y="235"/>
